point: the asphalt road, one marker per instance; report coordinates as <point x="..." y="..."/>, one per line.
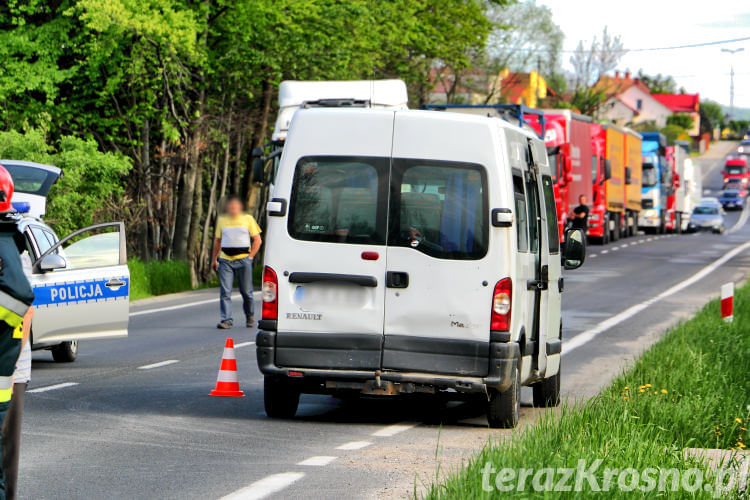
<point x="121" y="431"/>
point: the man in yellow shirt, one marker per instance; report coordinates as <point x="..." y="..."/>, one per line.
<point x="236" y="241"/>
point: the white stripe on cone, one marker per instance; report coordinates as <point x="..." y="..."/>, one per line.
<point x="227" y="376"/>
<point x="727" y="302"/>
<point x="228" y="353"/>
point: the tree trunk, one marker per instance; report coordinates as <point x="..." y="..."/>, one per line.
<point x="145" y="188"/>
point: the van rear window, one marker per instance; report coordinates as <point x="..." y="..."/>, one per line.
<point x="340" y="200"/>
<point x="439" y="208"/>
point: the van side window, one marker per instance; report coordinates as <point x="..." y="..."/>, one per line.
<point x="522" y="229"/>
<point x="340" y="199"/>
<point x="532" y="206"/>
<point x="551" y="212"/>
<point x="439" y="208"/>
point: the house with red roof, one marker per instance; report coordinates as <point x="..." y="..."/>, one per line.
<point x="629" y="100"/>
<point x="683" y="103"/>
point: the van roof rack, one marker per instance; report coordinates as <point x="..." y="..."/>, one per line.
<point x="509" y="112"/>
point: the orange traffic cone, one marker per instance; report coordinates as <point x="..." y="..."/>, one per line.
<point x="227" y="384"/>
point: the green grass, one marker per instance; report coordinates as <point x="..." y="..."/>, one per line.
<point x="690" y="390"/>
<point x="157" y="277"/>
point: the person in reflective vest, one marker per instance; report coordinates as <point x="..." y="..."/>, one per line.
<point x="16" y="297"/>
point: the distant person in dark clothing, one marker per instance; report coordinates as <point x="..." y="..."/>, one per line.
<point x="581" y="214"/>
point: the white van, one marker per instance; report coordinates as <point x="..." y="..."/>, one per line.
<point x="412" y="252"/>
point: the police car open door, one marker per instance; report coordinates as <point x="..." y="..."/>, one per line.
<point x="82" y="286"/>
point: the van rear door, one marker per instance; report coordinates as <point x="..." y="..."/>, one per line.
<point x="437" y="302"/>
<point x="332" y="282"/>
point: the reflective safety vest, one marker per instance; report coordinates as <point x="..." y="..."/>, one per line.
<point x="16" y="296"/>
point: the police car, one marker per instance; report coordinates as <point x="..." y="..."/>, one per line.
<point x="81" y="282"/>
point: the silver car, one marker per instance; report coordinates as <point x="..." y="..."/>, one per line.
<point x="707" y="217"/>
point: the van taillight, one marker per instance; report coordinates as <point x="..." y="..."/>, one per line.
<point x="501" y="301"/>
<point x="270" y="294"/>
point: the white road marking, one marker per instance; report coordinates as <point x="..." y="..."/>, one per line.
<point x="186" y="305"/>
<point x="265" y="487"/>
<point x="159" y="364"/>
<point x="614" y="249"/>
<point x="649" y="239"/>
<point x="741" y="220"/>
<point x="589" y="335"/>
<point x="52" y="387"/>
<point x="354" y="445"/>
<point x="592" y="255"/>
<point x="605" y="251"/>
<point x="243" y="344"/>
<point x="318" y="461"/>
<point x="392" y="430"/>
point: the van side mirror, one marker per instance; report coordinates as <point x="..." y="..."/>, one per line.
<point x="259" y="170"/>
<point x="51" y="262"/>
<point x="607" y="170"/>
<point x="575" y="249"/>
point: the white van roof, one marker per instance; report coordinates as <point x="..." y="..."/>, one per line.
<point x="366" y="93"/>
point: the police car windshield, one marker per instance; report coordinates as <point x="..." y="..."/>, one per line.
<point x="31" y="180"/>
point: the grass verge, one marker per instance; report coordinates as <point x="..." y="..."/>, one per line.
<point x="690" y="390"/>
<point x="157" y="277"/>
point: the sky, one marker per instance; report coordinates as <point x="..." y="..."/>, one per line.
<point x="662" y="23"/>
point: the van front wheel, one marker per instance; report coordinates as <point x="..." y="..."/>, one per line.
<point x="503" y="407"/>
<point x="280" y="398"/>
<point x="547" y="392"/>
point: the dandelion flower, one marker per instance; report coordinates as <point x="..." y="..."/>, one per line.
<point x="625" y="388"/>
<point x="740" y="445"/>
<point x="664" y="391"/>
<point x="642" y="390"/>
<point x="743" y="429"/>
<point x="738" y="420"/>
<point x="647" y="385"/>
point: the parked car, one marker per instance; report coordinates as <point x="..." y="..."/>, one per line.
<point x="707" y="217"/>
<point x="732" y="199"/>
<point x="81" y="283"/>
<point x="412" y="252"/>
<point x="744" y="147"/>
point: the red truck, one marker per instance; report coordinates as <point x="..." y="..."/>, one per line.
<point x="568" y="140"/>
<point x="736" y="168"/>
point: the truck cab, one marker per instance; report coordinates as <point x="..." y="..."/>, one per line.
<point x="736" y="168"/>
<point x="655" y="185"/>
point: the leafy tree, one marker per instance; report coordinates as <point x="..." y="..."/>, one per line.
<point x="524" y="38"/>
<point x="673" y="132"/>
<point x="89" y="176"/>
<point x="658" y="84"/>
<point x="682" y="120"/>
<point x="711" y="116"/>
<point x="739" y="126"/>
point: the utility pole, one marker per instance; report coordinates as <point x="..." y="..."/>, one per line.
<point x="731" y="79"/>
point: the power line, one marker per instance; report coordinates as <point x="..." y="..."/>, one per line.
<point x="692" y="45"/>
<point x="645" y="49"/>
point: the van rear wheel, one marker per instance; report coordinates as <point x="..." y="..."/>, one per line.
<point x="547" y="392"/>
<point x="280" y="398"/>
<point x="503" y="408"/>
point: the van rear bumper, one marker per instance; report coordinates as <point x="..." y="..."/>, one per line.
<point x="502" y="359"/>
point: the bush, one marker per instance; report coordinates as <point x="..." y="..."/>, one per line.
<point x="157" y="277"/>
